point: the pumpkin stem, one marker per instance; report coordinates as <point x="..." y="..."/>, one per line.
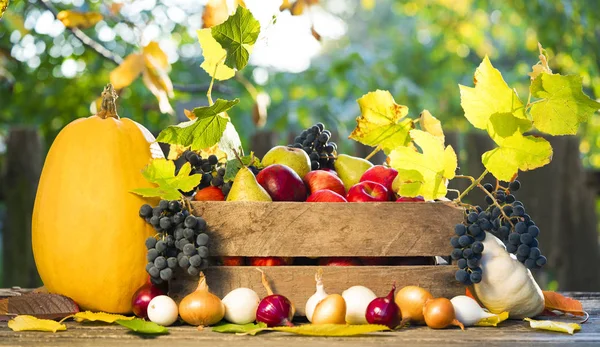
<point x="109" y="103"/>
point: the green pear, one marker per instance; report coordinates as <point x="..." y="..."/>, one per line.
<point x="246" y="188"/>
<point x="350" y="169"/>
<point x="294" y="158"/>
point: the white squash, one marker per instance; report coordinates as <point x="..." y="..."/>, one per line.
<point x="506" y="284"/>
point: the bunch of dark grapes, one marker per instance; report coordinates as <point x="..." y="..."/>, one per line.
<point x="508" y="222"/>
<point x="315" y="142"/>
<point x="181" y="241"/>
<point x="211" y="170"/>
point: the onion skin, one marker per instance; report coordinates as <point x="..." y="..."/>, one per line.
<point x="331" y="310"/>
<point x="384" y="311"/>
<point x="201" y="308"/>
<point x="439" y="314"/>
<point x="275" y="310"/>
<point x="411" y="300"/>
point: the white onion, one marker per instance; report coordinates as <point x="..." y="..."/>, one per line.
<point x="240" y="305"/>
<point x="357" y="299"/>
<point x="163" y="310"/>
<point x="468" y="311"/>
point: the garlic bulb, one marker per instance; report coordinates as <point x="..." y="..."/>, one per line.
<point x="468" y="311"/>
<point x="319" y="295"/>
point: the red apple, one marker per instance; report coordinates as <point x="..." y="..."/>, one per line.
<point x="282" y="183"/>
<point x="325" y="195"/>
<point x="329" y="170"/>
<point x="367" y="191"/>
<point x="269" y="261"/>
<point x="232" y="261"/>
<point x="319" y="179"/>
<point x="340" y="261"/>
<point x="375" y="261"/>
<point x="380" y="174"/>
<point x="209" y="194"/>
<point x="141" y="298"/>
<point x="407" y="199"/>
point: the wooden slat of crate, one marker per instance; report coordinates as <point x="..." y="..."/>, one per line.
<point x="291" y="229"/>
<point x="297" y="283"/>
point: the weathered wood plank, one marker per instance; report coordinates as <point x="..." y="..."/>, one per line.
<point x="297" y="283"/>
<point x="292" y="229"/>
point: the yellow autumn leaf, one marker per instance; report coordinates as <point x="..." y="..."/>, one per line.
<point x="31" y="323"/>
<point x="215" y="12"/>
<point x="331" y="329"/>
<point x="81" y="20"/>
<point x="427" y="171"/>
<point x="493" y="320"/>
<point x="3" y="6"/>
<point x="158" y="55"/>
<point x="175" y="151"/>
<point x="158" y="82"/>
<point x="382" y="122"/>
<point x="431" y="125"/>
<point x="189" y="114"/>
<point x="213" y="54"/>
<point x="560" y="327"/>
<point x="99" y="316"/>
<point x="124" y="74"/>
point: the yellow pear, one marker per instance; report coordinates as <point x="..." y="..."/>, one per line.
<point x="246" y="188"/>
<point x="350" y="169"/>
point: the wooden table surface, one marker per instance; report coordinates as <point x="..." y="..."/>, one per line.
<point x="513" y="333"/>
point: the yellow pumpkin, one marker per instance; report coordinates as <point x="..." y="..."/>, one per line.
<point x="87" y="236"/>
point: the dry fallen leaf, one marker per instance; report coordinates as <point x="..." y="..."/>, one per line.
<point x="560" y="327"/>
<point x="99" y="316"/>
<point x="124" y="74"/>
<point x="40" y="305"/>
<point x="159" y="56"/>
<point x="215" y="13"/>
<point x="81" y="20"/>
<point x="555" y="302"/>
<point x="3" y="6"/>
<point x="30" y="323"/>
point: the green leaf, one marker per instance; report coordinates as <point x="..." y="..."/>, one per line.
<point x="234" y="165"/>
<point x="250" y="328"/>
<point x="332" y="329"/>
<point x="382" y="122"/>
<point x="237" y="36"/>
<point x="563" y="105"/>
<point x="427" y="172"/>
<point x="561" y="327"/>
<point x="143" y="327"/>
<point x="492" y="97"/>
<point x="204" y="131"/>
<point x="161" y="172"/>
<point x="516" y="153"/>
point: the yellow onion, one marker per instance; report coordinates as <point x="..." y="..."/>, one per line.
<point x="331" y="310"/>
<point x="439" y="314"/>
<point x="201" y="308"/>
<point x="411" y="300"/>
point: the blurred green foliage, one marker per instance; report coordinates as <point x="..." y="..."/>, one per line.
<point x="420" y="50"/>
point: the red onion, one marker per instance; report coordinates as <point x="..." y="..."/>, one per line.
<point x="384" y="310"/>
<point x="142" y="297"/>
<point x="275" y="310"/>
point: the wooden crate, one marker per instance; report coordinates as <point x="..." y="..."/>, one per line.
<point x="290" y="229"/>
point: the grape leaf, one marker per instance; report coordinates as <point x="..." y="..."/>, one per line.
<point x="204" y="131"/>
<point x="515" y="153"/>
<point x="39" y="305"/>
<point x="560" y="327"/>
<point x="492" y="97"/>
<point x="99" y="316"/>
<point x="431" y="125"/>
<point x="230" y="142"/>
<point x="143" y="327"/>
<point x="76" y="19"/>
<point x="555" y="302"/>
<point x="382" y="122"/>
<point x="493" y="320"/>
<point x="436" y="165"/>
<point x="213" y="54"/>
<point x="563" y="105"/>
<point x="162" y="173"/>
<point x="3" y="6"/>
<point x="234" y="165"/>
<point x="237" y="36"/>
<point x="250" y="328"/>
<point x="332" y="329"/>
<point x="30" y="323"/>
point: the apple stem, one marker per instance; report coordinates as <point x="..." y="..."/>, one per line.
<point x="375" y="151"/>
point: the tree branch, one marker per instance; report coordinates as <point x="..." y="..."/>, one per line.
<point x="116" y="59"/>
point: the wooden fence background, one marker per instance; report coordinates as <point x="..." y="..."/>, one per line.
<point x="561" y="198"/>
